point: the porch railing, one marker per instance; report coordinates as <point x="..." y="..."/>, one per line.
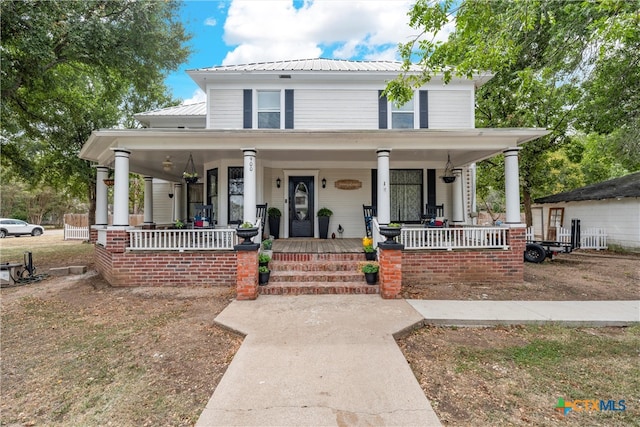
<point x="454" y="238"/>
<point x="75" y="233"/>
<point x="417" y="237"/>
<point x="208" y="239"/>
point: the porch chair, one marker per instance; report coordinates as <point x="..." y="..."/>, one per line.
<point x="369" y="212"/>
<point x="261" y="212"/>
<point x="202" y="212"/>
<point x="431" y="212"/>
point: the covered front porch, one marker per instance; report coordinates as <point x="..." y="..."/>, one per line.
<point x="340" y="170"/>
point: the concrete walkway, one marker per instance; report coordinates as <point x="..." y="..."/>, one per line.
<point x="331" y="360"/>
<point x="488" y="313"/>
<point x="319" y="360"/>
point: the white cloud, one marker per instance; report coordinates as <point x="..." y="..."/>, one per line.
<point x="198" y="96"/>
<point x="210" y="22"/>
<point x="269" y="30"/>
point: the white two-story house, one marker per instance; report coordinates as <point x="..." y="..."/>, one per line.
<point x="303" y="135"/>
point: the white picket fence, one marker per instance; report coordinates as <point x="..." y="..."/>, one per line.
<point x="75" y="233"/>
<point x="590" y="238"/>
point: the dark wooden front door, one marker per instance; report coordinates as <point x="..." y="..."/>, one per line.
<point x="301" y="209"/>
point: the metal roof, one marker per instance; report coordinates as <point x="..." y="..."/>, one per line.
<point x="317" y="64"/>
<point x="197" y="109"/>
<point x="626" y="186"/>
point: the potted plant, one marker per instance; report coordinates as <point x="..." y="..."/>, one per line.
<point x="274" y="222"/>
<point x="370" y="270"/>
<point x="369" y="253"/>
<point x="190" y="177"/>
<point x="369" y="250"/>
<point x="267" y="244"/>
<point x="263" y="260"/>
<point x="109" y="180"/>
<point x="324" y="215"/>
<point x="178" y="224"/>
<point x="263" y="275"/>
<point x="390" y="231"/>
<point x="246" y="230"/>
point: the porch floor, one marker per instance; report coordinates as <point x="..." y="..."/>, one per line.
<point x="317" y="246"/>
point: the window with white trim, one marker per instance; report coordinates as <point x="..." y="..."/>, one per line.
<point x="402" y="117"/>
<point x="269" y="109"/>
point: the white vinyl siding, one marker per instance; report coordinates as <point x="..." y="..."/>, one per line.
<point x="336" y="109"/>
<point x="450" y="109"/>
<point x="225" y="109"/>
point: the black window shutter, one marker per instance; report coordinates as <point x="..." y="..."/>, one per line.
<point x="247" y="109"/>
<point x="424" y="109"/>
<point x="288" y="109"/>
<point x="382" y="111"/>
<point x="431" y="187"/>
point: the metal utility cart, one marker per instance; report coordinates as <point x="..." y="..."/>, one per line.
<point x="537" y="251"/>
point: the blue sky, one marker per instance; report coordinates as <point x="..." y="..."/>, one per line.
<point x="245" y="31"/>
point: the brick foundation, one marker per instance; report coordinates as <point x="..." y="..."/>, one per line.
<point x="162" y="268"/>
<point x="467" y="266"/>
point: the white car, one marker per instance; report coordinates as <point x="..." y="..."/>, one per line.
<point x="16" y="227"/>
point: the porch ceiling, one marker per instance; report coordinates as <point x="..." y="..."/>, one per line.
<point x="150" y="147"/>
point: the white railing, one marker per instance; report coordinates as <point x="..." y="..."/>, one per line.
<point x="593" y="238"/>
<point x="102" y="237"/>
<point x="183" y="240"/>
<point x="75" y="233"/>
<point x="454" y="238"/>
<point x="590" y="238"/>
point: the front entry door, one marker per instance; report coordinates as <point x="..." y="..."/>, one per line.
<point x="301" y="209"/>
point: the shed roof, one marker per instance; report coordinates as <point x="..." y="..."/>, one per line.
<point x="626" y="186"/>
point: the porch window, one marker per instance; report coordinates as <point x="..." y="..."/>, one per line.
<point x="194" y="197"/>
<point x="402" y="116"/>
<point x="268" y="109"/>
<point x="236" y="194"/>
<point x="212" y="191"/>
<point x="406" y="188"/>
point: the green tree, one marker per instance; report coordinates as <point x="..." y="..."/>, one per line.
<point x="550" y="62"/>
<point x="69" y="68"/>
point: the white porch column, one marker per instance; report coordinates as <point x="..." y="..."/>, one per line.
<point x="457" y="207"/>
<point x="384" y="192"/>
<point x="102" y="213"/>
<point x="512" y="185"/>
<point x="121" y="188"/>
<point x="148" y="200"/>
<point x="249" y="212"/>
<point x="177" y="202"/>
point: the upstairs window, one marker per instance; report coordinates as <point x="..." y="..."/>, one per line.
<point x="268" y="109"/>
<point x="402" y="117"/>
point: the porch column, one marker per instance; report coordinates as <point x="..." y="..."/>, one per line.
<point x="177" y="202"/>
<point x="457" y="207"/>
<point x="148" y="200"/>
<point x="384" y="193"/>
<point x="102" y="214"/>
<point x="512" y="185"/>
<point x="121" y="188"/>
<point x="249" y="212"/>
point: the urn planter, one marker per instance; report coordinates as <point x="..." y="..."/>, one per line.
<point x="247" y="234"/>
<point x="390" y="232"/>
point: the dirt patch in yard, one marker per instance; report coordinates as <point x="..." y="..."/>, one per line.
<point x="581" y="275"/>
<point x="76" y="351"/>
